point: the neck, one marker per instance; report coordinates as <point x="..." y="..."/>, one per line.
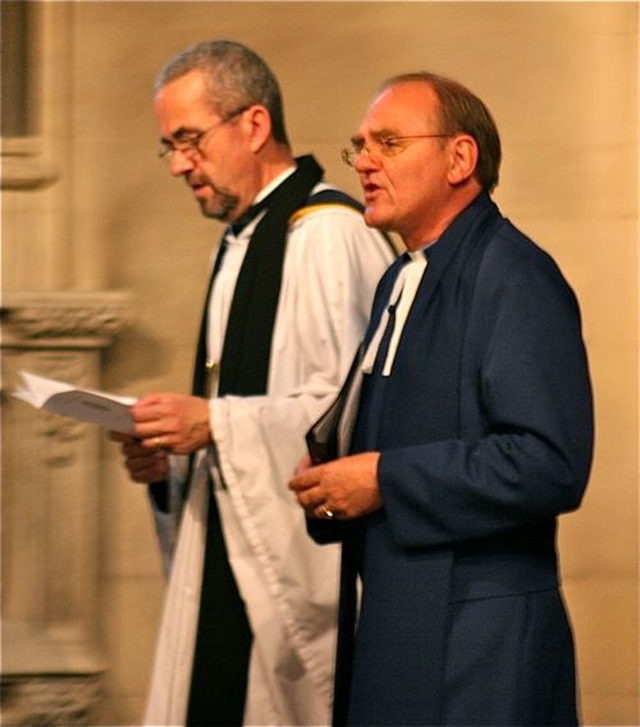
<point x="274" y="161"/>
<point x="430" y="230"/>
<point x="266" y="167"/>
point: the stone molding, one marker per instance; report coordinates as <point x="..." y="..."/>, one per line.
<point x="48" y="700"/>
<point x="55" y="319"/>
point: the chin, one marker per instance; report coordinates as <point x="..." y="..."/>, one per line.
<point x="213" y="213"/>
<point x="377" y="220"/>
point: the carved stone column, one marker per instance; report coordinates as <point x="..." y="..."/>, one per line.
<point x="51" y="476"/>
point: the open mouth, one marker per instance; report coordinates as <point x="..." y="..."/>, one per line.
<point x="198" y="189"/>
<point x="370" y="190"/>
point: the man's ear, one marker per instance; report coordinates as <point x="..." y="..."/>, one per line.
<point x="258" y="120"/>
<point x="464" y="158"/>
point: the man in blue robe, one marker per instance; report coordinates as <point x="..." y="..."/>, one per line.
<point x="474" y="431"/>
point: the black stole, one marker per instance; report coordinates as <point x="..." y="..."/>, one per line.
<point x="244" y="367"/>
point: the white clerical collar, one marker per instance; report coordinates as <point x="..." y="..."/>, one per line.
<point x="400" y="302"/>
<point x="242" y="229"/>
<point x="274" y="183"/>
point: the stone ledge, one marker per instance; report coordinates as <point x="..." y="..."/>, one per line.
<point x="43" y="701"/>
<point x="47" y="678"/>
<point x="87" y="318"/>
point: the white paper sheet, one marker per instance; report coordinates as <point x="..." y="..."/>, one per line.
<point x="86" y="405"/>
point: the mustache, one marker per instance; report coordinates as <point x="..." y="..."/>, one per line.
<point x="194" y="179"/>
<point x="224" y="202"/>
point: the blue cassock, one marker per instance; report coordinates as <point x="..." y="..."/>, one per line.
<point x="485" y="428"/>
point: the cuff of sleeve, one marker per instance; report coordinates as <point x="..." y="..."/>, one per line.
<point x="216" y="406"/>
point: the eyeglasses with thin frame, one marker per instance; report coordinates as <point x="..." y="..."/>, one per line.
<point x="190" y="147"/>
<point x="386" y="146"/>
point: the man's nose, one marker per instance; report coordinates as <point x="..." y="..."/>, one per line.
<point x="180" y="163"/>
<point x="364" y="161"/>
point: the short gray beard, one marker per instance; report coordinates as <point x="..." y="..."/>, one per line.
<point x="225" y="203"/>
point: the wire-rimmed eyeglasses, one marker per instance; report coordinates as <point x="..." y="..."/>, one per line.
<point x="386" y="146"/>
<point x="190" y="146"/>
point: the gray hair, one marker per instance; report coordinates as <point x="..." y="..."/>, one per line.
<point x="236" y="78"/>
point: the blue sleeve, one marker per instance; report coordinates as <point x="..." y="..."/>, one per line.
<point x="525" y="447"/>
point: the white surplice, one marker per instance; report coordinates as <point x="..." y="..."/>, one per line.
<point x="289" y="584"/>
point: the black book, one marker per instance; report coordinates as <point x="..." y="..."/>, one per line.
<point x="323" y="437"/>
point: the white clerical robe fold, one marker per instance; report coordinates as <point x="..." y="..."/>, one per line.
<point x="289" y="584"/>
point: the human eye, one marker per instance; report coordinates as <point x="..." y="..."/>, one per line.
<point x="356" y="145"/>
<point x="184" y="139"/>
<point x="189" y="141"/>
<point x="389" y="145"/>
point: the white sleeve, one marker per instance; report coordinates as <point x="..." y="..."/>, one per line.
<point x="167" y="521"/>
<point x="332" y="268"/>
<point x="332" y="265"/>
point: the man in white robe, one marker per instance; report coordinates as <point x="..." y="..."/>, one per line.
<point x="220" y="116"/>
